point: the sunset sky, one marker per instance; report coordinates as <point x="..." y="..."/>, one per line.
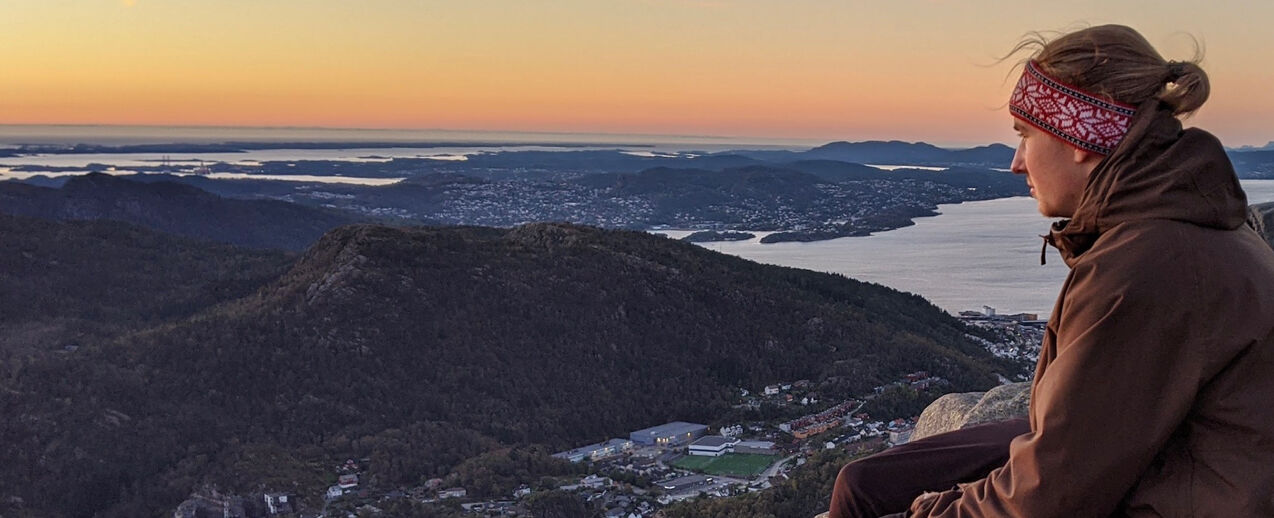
<point x="810" y="69"/>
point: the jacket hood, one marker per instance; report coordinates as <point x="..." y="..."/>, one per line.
<point x="1158" y="171"/>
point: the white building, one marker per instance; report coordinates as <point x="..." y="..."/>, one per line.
<point x="277" y="503"/>
<point x="594" y="481"/>
<point x="455" y="492"/>
<point x="334" y="492"/>
<point x="712" y="446"/>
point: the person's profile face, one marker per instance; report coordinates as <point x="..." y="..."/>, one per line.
<point x="1055" y="171"/>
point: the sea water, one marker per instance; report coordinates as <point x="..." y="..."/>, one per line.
<point x="984" y="253"/>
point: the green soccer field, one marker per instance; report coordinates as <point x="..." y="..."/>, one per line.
<point x="734" y="464"/>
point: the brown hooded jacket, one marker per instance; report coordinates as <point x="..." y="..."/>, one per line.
<point x="1154" y="392"/>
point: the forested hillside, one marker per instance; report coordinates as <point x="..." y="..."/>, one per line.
<point x="174" y="208"/>
<point x="81" y="282"/>
<point x="420" y="348"/>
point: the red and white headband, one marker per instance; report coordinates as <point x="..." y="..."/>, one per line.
<point x="1078" y="118"/>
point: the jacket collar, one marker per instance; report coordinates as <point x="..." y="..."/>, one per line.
<point x="1158" y="171"/>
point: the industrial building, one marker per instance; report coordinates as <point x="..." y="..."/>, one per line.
<point x="597" y="451"/>
<point x="671" y="434"/>
<point x="756" y="448"/>
<point x="686" y="482"/>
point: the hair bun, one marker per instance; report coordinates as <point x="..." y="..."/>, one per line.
<point x="1176" y="69"/>
<point x="1118" y="64"/>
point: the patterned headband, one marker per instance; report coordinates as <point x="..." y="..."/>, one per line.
<point x="1078" y="118"/>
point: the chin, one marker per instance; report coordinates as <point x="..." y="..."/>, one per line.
<point x="1044" y="211"/>
<point x="1053" y="212"/>
<point x="1047" y="211"/>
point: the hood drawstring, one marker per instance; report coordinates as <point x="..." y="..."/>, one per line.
<point x="1054" y="228"/>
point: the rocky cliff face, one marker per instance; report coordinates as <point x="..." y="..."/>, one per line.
<point x="958" y="411"/>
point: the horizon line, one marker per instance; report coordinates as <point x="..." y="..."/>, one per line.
<point x="724" y="139"/>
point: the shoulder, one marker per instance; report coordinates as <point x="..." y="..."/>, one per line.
<point x="1138" y="285"/>
<point x="1150" y="258"/>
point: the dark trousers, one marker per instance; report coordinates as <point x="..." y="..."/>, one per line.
<point x="887" y="482"/>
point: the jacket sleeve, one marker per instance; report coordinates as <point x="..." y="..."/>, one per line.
<point x="1124" y="376"/>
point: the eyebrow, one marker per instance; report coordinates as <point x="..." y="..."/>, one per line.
<point x="1018" y="126"/>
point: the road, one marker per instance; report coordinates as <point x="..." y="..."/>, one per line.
<point x="773" y="469"/>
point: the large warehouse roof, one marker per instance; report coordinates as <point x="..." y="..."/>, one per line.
<point x="673" y="428"/>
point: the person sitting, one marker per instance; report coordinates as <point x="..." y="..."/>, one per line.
<point x="1153" y="388"/>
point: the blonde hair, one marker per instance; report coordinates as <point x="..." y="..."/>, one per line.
<point x="1117" y="63"/>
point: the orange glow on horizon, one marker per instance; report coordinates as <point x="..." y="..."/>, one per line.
<point x="917" y="70"/>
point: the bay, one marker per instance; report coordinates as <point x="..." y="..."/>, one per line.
<point x="976" y="254"/>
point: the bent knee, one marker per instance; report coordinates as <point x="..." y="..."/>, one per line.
<point x="854" y="495"/>
<point x="855" y="474"/>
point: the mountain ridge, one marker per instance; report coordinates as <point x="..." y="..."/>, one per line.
<point x="893" y="152"/>
<point x="174" y="208"/>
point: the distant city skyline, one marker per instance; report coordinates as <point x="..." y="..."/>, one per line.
<point x="803" y="70"/>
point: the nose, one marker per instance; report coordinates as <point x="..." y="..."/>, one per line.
<point x="1018" y="166"/>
